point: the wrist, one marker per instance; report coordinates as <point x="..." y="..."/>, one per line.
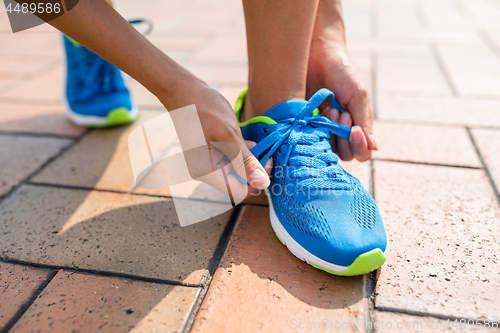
<point x="180" y="89"/>
<point x="329" y="27"/>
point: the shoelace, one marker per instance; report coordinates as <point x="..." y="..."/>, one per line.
<point x="309" y="152"/>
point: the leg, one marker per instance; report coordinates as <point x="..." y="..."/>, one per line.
<point x="278" y="36"/>
<point x="313" y="204"/>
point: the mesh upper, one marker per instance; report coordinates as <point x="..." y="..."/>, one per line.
<point x="363" y="208"/>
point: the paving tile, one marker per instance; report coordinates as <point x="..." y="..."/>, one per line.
<point x="261" y="287"/>
<point x="488" y="143"/>
<point x="23" y="67"/>
<point x="388" y="47"/>
<point x="18" y="284"/>
<point x="100" y="160"/>
<point x="425" y="143"/>
<point x="222" y="50"/>
<point x="445" y="17"/>
<point x="86" y="303"/>
<point x="40" y="119"/>
<point x="221" y="75"/>
<point x="21" y="156"/>
<point x="21" y="45"/>
<point x="130" y="234"/>
<point x="46" y="88"/>
<point x="473" y="68"/>
<point x="398" y="18"/>
<point x="484" y="13"/>
<point x="363" y="65"/>
<point x="439" y="110"/>
<point x="443" y="229"/>
<point x="411" y="74"/>
<point x="358" y="23"/>
<point x="7" y="83"/>
<point x="389" y="322"/>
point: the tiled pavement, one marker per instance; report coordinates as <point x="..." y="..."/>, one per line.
<point x="77" y="253"/>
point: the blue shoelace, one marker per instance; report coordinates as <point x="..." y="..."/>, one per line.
<point x="308" y="150"/>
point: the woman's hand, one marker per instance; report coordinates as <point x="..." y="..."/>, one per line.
<point x="219" y="127"/>
<point x="331" y="67"/>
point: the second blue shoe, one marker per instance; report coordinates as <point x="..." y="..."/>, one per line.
<point x="96" y="94"/>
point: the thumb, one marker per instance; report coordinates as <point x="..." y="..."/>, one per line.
<point x="249" y="168"/>
<point x="257" y="177"/>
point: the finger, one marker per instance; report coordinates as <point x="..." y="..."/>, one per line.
<point x="362" y="115"/>
<point x="249" y="168"/>
<point x="343" y="148"/>
<point x="334" y="116"/>
<point x="359" y="145"/>
<point x="269" y="164"/>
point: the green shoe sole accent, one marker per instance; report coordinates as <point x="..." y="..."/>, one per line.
<point x="116" y="117"/>
<point x="238" y="108"/>
<point x="74" y="42"/>
<point x="280" y="239"/>
<point x="365" y="263"/>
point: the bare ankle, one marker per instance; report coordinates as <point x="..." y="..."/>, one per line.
<point x="258" y="102"/>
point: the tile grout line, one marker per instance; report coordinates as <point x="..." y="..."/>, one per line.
<point x="431" y="96"/>
<point x="485" y="168"/>
<point x="24" y="307"/>
<point x="91" y="189"/>
<point x="486" y="38"/>
<point x="39" y="135"/>
<point x="27" y="179"/>
<point x="426" y="314"/>
<point x="374" y="62"/>
<point x="434" y="124"/>
<point x="25" y="78"/>
<point x="212" y="268"/>
<point x="425" y="163"/>
<point x="421" y="17"/>
<point x="443" y="69"/>
<point x="52" y="159"/>
<point x="99" y="273"/>
<point x="374" y="19"/>
<point x="370" y="278"/>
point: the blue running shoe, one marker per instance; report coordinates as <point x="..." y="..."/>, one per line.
<point x="96" y="95"/>
<point x="318" y="210"/>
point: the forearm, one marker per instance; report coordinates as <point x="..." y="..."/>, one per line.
<point x="329" y="24"/>
<point x="97" y="26"/>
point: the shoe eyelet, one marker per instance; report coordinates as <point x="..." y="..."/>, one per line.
<point x="264" y="130"/>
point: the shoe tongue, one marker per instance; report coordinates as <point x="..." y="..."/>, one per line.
<point x="285" y="110"/>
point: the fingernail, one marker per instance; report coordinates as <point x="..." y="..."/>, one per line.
<point x="356" y="139"/>
<point x="269" y="166"/>
<point x="258" y="179"/>
<point x="372" y="137"/>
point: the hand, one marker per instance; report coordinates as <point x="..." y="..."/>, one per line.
<point x="331" y="67"/>
<point x="219" y="126"/>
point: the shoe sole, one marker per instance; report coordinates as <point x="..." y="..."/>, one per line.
<point x="115" y="117"/>
<point x="363" y="264"/>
